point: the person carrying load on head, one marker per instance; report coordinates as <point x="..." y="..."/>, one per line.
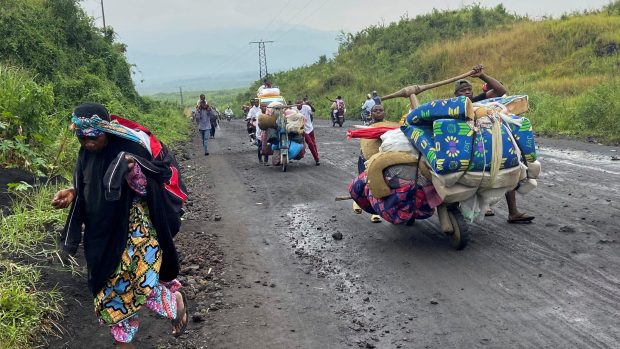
<point x="120" y="200"/>
<point x="203" y="118"/>
<point x="494" y="88"/>
<point x="305" y="110"/>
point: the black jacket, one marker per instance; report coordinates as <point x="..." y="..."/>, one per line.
<point x="102" y="204"/>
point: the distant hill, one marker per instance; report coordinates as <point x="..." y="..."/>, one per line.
<point x="568" y="66"/>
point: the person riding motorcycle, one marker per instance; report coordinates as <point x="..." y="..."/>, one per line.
<point x="366" y="108"/>
<point x="229" y="113"/>
<point x="251" y="118"/>
<point x="338" y="109"/>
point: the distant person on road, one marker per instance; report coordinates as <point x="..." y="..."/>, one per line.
<point x="367" y="107"/>
<point x="214" y="120"/>
<point x="305" y="110"/>
<point x="261" y="138"/>
<point x="251" y="120"/>
<point x="126" y="225"/>
<point x="376" y="98"/>
<point x="229" y="113"/>
<point x="337" y="107"/>
<point x="494" y="89"/>
<point x="203" y="119"/>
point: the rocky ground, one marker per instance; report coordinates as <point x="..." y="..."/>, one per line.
<point x="263" y="268"/>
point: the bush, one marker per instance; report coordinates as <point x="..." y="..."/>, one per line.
<point x="597" y="110"/>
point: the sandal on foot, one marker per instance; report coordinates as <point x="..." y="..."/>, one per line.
<point x="356" y="208"/>
<point x="489" y="213"/>
<point x="521" y="218"/>
<point x="375" y="218"/>
<point x="179" y="319"/>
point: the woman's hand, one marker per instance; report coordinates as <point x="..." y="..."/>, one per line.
<point x="130" y="162"/>
<point x="63" y="198"/>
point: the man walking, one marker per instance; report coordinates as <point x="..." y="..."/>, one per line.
<point x="305" y="110"/>
<point x="203" y="119"/>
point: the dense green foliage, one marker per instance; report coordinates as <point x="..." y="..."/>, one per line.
<point x="568" y="66"/>
<point x="52" y="58"/>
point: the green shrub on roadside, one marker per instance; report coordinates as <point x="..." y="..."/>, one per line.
<point x="25" y="311"/>
<point x="598" y="111"/>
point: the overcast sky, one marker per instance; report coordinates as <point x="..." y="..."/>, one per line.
<point x="161" y="34"/>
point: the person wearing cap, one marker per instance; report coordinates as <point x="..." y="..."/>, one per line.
<point x="376" y="98"/>
<point x="494" y="88"/>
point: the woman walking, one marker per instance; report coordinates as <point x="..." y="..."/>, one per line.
<point x="118" y="195"/>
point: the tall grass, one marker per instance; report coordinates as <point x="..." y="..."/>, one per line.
<point x="28" y="313"/>
<point x="568" y="66"/>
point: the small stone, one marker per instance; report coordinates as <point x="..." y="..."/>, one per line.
<point x="198" y="318"/>
<point x="272" y="285"/>
<point x="337" y="235"/>
<point x="434" y="301"/>
<point x="539" y="275"/>
<point x="218" y="218"/>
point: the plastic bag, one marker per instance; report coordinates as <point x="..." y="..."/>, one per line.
<point x="395" y="140"/>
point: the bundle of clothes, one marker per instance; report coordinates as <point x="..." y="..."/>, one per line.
<point x="273" y="128"/>
<point x="447" y="151"/>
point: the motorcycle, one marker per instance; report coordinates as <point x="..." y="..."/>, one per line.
<point x="338" y="116"/>
<point x="251" y="128"/>
<point x="365" y="117"/>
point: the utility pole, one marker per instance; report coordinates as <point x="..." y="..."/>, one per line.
<point x="262" y="57"/>
<point x="103" y="15"/>
<point x="181" y="92"/>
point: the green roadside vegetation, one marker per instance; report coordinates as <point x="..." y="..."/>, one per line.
<point x="221" y="98"/>
<point x="53" y="58"/>
<point x="569" y="66"/>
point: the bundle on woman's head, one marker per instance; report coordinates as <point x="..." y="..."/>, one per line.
<point x="93" y="120"/>
<point x="85" y="118"/>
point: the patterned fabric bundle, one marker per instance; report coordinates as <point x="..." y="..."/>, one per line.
<point x="459" y="108"/>
<point x="359" y="192"/>
<point x="403" y="204"/>
<point x="524" y="135"/>
<point x="452" y="146"/>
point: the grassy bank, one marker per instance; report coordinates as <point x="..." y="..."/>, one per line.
<point x="28" y="311"/>
<point x="569" y="66"/>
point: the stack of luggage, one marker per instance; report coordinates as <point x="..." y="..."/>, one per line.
<point x="470" y="153"/>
